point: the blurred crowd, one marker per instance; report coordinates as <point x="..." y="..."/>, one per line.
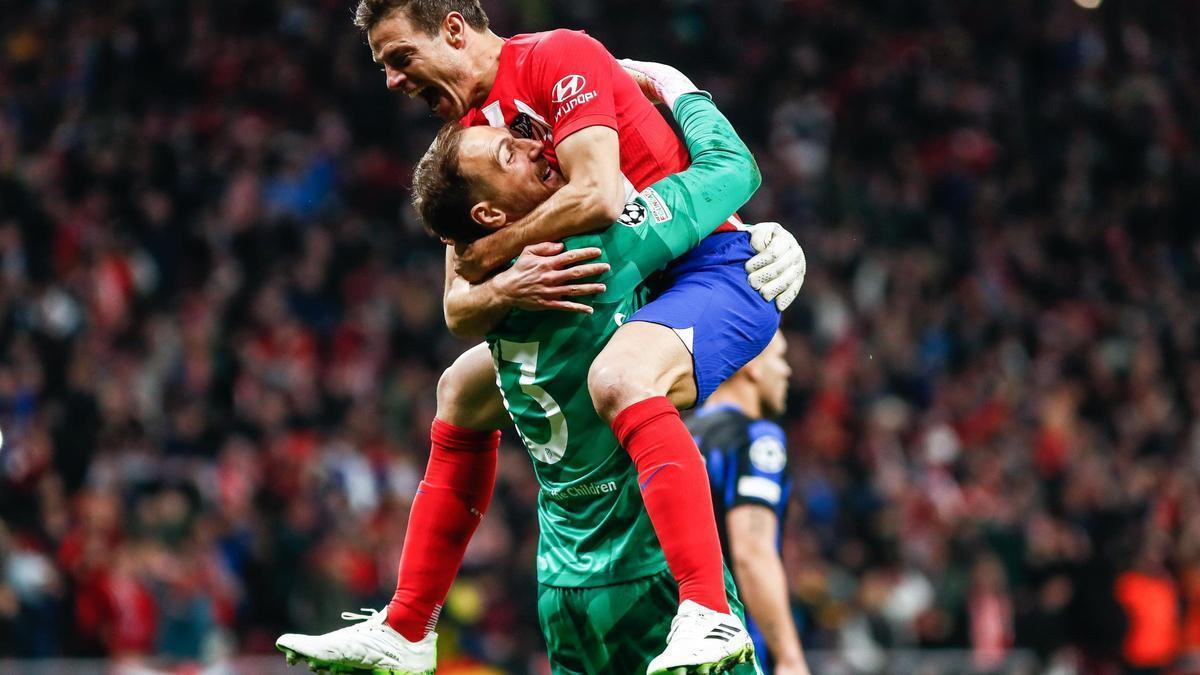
<point x="220" y="324"/>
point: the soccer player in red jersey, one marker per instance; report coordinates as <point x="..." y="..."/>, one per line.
<point x="564" y="88"/>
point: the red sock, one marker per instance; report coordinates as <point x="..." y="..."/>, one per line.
<point x="678" y="499"/>
<point x="445" y="512"/>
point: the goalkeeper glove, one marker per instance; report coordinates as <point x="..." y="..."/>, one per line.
<point x="664" y="81"/>
<point x="778" y="269"/>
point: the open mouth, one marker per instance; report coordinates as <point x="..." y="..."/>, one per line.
<point x="432" y="95"/>
<point x="549" y="176"/>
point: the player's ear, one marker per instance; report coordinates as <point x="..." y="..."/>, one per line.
<point x="753" y="371"/>
<point x="454" y="30"/>
<point x="488" y="216"/>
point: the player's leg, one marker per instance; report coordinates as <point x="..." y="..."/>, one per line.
<point x="751" y="665"/>
<point x="705" y="326"/>
<point x="637" y="636"/>
<point x="633" y="619"/>
<point x="631" y="381"/>
<point x="467" y="395"/>
<point x="616" y="628"/>
<point x="563" y="626"/>
<point x="449" y="503"/>
<point x="454" y="493"/>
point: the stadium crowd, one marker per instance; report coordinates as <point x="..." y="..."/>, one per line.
<point x="220" y="323"/>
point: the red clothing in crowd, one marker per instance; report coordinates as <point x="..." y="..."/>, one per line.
<point x="1152" y="604"/>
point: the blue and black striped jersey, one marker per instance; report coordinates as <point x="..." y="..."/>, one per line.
<point x="747" y="464"/>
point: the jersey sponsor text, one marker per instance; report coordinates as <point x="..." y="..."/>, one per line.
<point x="585" y="490"/>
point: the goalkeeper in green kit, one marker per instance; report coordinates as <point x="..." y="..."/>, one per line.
<point x="606" y="597"/>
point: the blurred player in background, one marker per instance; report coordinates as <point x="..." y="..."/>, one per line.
<point x="564" y="90"/>
<point x="747" y="467"/>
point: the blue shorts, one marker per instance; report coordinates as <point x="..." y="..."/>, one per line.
<point x="707" y="300"/>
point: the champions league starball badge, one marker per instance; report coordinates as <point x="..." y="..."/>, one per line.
<point x="632" y="215"/>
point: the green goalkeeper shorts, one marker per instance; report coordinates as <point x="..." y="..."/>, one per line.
<point x="615" y="629"/>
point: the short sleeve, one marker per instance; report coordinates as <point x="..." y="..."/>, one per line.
<point x="762" y="467"/>
<point x="572" y="75"/>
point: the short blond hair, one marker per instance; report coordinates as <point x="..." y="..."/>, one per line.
<point x="442" y="195"/>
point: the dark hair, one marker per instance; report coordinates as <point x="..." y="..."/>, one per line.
<point x="426" y="15"/>
<point x="441" y="194"/>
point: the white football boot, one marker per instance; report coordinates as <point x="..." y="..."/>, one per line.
<point x="370" y="646"/>
<point x="702" y="642"/>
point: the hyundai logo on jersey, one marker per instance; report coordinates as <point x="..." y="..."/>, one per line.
<point x="568" y="86"/>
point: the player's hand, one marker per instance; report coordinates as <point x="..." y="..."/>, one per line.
<point x="545" y="275"/>
<point x="778" y="269"/>
<point x="644" y="83"/>
<point x="475" y="261"/>
<point x="659" y="82"/>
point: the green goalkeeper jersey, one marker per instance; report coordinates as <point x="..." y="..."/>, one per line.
<point x="594" y="527"/>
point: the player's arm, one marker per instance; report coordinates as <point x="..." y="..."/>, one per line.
<point x="778" y="267"/>
<point x="543" y="277"/>
<point x="721" y="178"/>
<point x="571" y="77"/>
<point x="470" y="312"/>
<point x="762" y="584"/>
<point x="592" y="198"/>
<point x="752" y="525"/>
<point x="680" y="210"/>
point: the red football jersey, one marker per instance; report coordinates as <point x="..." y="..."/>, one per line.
<point x="552" y="84"/>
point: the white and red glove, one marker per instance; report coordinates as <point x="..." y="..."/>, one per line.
<point x="659" y="80"/>
<point x="778" y="269"/>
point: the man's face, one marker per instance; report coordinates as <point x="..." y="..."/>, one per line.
<point x="434" y="68"/>
<point x="510" y="174"/>
<point x="771" y="373"/>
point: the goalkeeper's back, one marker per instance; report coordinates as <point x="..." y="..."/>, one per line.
<point x="594" y="528"/>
